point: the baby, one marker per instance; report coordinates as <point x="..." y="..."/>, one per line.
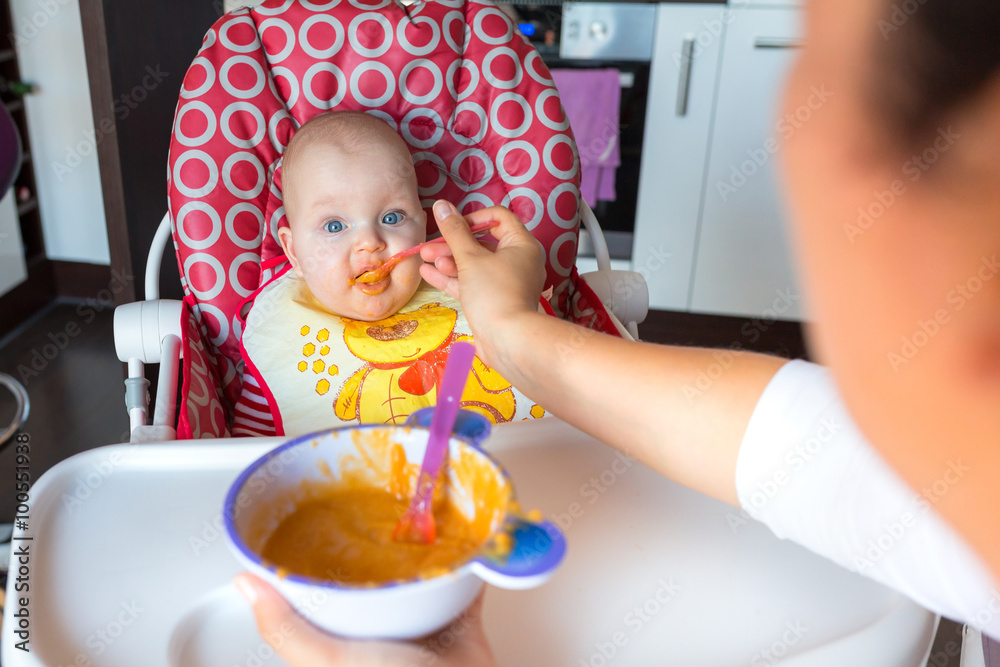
<point x="322" y="349"/>
<point x="350" y="194"/>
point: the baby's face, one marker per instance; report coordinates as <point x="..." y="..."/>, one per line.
<point x="350" y="211"/>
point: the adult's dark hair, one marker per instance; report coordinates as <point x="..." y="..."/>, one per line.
<point x="932" y="56"/>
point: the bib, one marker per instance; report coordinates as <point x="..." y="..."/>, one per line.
<point x="307" y="369"/>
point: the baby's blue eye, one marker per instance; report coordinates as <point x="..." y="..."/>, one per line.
<point x="393" y="218"/>
<point x="333" y="226"/>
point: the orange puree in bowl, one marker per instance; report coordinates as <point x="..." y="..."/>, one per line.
<point x="340" y="528"/>
<point x="347" y="537"/>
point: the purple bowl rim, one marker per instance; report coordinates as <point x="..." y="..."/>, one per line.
<point x="234" y="539"/>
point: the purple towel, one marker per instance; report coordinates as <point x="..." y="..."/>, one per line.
<point x="591" y="98"/>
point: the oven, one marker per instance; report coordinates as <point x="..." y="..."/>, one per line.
<point x="601" y="35"/>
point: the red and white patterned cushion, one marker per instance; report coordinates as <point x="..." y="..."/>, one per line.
<point x="469" y="95"/>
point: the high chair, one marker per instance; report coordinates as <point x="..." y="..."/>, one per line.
<point x="469" y="95"/>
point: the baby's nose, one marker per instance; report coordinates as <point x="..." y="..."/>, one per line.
<point x="369" y="240"/>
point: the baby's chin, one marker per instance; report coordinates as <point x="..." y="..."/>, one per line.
<point x="371" y="308"/>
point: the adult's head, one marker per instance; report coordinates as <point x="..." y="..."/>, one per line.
<point x="894" y="185"/>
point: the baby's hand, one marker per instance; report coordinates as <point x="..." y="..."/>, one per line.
<point x="496" y="287"/>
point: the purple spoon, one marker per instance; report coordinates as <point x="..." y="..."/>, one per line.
<point x="417" y="524"/>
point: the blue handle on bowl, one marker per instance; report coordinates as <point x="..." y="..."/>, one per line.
<point x="536" y="550"/>
<point x="470" y="426"/>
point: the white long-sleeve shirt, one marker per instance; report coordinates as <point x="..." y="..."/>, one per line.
<point x="807" y="472"/>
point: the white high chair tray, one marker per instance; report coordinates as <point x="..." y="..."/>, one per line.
<point x="129" y="566"/>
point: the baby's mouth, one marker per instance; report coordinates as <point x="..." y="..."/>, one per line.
<point x="371" y="280"/>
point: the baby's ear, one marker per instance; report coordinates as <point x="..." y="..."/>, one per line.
<point x="285" y="239"/>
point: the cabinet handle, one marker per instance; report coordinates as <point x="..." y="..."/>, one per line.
<point x="684" y="84"/>
<point x="777" y="43"/>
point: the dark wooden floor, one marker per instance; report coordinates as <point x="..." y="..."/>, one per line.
<point x="65" y="357"/>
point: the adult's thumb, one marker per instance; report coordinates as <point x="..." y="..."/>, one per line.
<point x="455" y="229"/>
<point x="297" y="640"/>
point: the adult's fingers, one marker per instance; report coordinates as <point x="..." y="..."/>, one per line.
<point x="447" y="266"/>
<point x="431" y="252"/>
<point x="510" y="231"/>
<point x="455" y="230"/>
<point x="299" y="642"/>
<point x="442" y="281"/>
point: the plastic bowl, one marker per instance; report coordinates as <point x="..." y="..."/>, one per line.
<point x="269" y="489"/>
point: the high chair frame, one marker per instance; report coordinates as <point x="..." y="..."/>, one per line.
<point x="149" y="331"/>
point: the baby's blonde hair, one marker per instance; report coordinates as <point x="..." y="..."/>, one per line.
<point x="348" y="131"/>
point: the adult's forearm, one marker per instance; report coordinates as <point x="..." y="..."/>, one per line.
<point x="682" y="411"/>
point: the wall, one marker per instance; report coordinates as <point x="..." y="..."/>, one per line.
<point x="12" y="268"/>
<point x="49" y="41"/>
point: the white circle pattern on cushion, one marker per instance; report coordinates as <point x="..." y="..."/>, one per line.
<point x="532" y="155"/>
<point x="210" y="124"/>
<point x="484" y="127"/>
<point x="559" y="126"/>
<point x="213" y="174"/>
<point x="268" y="9"/>
<point x="320" y="6"/>
<point x="404" y="128"/>
<point x="419" y="50"/>
<point x="534" y="58"/>
<point x="472" y="153"/>
<point x="470" y="87"/>
<point x="272" y="129"/>
<point x="289" y="46"/>
<point x="379" y="4"/>
<point x="197" y="258"/>
<point x="565" y="223"/>
<point x="242" y="93"/>
<point x="496" y="142"/>
<point x="276" y="217"/>
<point x="539" y="205"/>
<point x="446" y="30"/>
<point x="315" y="99"/>
<point x="568" y="237"/>
<point x="209" y="41"/>
<point x="379" y="50"/>
<point x="435" y="159"/>
<point x="550" y="146"/>
<point x="233" y="46"/>
<point x="234" y="268"/>
<point x="477" y="27"/>
<point x="435" y="90"/>
<point x="207" y="84"/>
<point x="387" y="75"/>
<point x="475" y="197"/>
<point x="510" y="132"/>
<point x="293" y="84"/>
<point x="239" y="241"/>
<point x="258" y="117"/>
<point x="329" y="51"/>
<point x="214" y="233"/>
<point x="221" y="323"/>
<point x="494" y="80"/>
<point x="227" y="175"/>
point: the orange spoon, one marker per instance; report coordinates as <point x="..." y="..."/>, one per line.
<point x="379" y="274"/>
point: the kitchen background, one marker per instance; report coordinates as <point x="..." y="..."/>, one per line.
<point x="696" y="209"/>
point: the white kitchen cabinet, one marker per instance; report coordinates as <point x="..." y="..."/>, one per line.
<point x="743" y="263"/>
<point x="675" y="148"/>
<point x="709" y="196"/>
